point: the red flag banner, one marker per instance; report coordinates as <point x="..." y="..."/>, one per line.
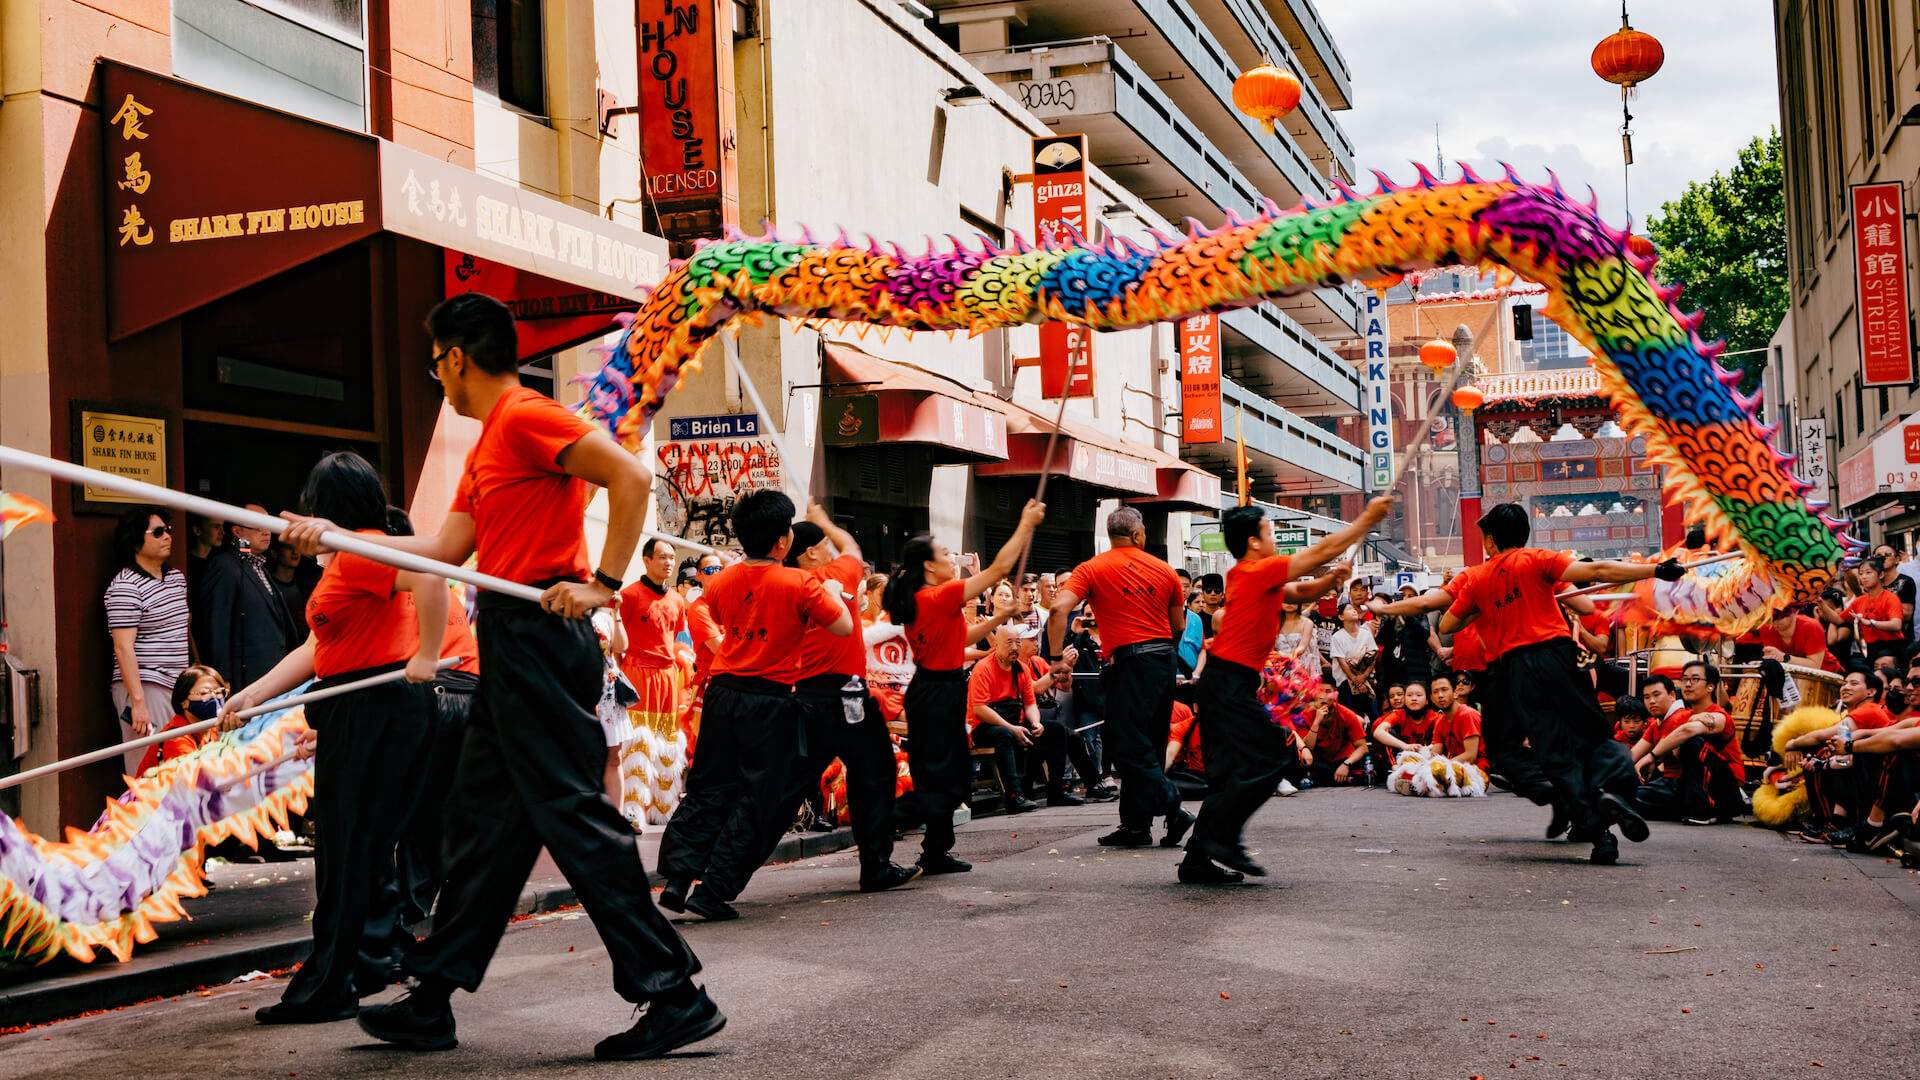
<point x="1059" y="214"/>
<point x="1200" y="379"/>
<point x="1880" y="277"/>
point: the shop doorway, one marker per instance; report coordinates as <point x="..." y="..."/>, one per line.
<point x="237" y="464"/>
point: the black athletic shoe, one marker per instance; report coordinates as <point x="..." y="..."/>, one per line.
<point x="664" y="1028"/>
<point x="710" y="908"/>
<point x="1103" y="792"/>
<point x="1020" y="804"/>
<point x="1889" y="834"/>
<point x="1203" y="872"/>
<point x="1622" y="813"/>
<point x="1178" y="822"/>
<point x="943" y="864"/>
<point x="1561" y="822"/>
<point x="1065" y="798"/>
<point x="1233" y="858"/>
<point x="412" y="1023"/>
<point x="892" y="877"/>
<point x="1606" y="850"/>
<point x="1127" y="838"/>
<point x="674" y="896"/>
<point x="282" y="1013"/>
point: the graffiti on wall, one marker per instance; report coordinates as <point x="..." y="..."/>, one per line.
<point x="697" y="480"/>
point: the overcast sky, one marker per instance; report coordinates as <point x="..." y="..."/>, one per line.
<point x="1511" y="80"/>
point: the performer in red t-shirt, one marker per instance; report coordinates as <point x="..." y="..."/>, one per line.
<point x="1535" y="690"/>
<point x="1337" y="737"/>
<point x="927" y="598"/>
<point x="1246" y="752"/>
<point x="530" y="774"/>
<point x="752" y="736"/>
<point x="1137" y="601"/>
<point x="842" y="721"/>
<point x="365" y="618"/>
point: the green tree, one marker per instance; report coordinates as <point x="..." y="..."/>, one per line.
<point x="1725" y="240"/>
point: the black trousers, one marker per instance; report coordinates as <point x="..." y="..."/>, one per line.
<point x="937" y="753"/>
<point x="866" y="751"/>
<point x="530" y="777"/>
<point x="1081" y="750"/>
<point x="1321" y="772"/>
<point x="365" y="772"/>
<point x="1505" y="737"/>
<point x="1017" y="763"/>
<point x="1138" y="688"/>
<point x="1542" y="691"/>
<point x="1705" y="788"/>
<point x="417" y="863"/>
<point x="750" y="745"/>
<point x="1246" y="752"/>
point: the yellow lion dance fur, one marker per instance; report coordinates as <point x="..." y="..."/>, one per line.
<point x="1781" y="798"/>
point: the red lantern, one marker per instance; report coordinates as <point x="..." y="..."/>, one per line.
<point x="1468" y="398"/>
<point x="1266" y="93"/>
<point x="1438" y="355"/>
<point x="1640" y="246"/>
<point x="1628" y="57"/>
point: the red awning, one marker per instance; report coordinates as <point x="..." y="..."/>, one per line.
<point x="1183" y="487"/>
<point x="1081" y="453"/>
<point x="910" y="405"/>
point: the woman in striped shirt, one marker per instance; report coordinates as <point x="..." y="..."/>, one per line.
<point x="147" y="618"/>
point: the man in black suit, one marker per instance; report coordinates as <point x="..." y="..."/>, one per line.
<point x="248" y="628"/>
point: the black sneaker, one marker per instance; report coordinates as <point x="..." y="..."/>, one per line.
<point x="664" y="1028"/>
<point x="1178" y="822"/>
<point x="892" y="877"/>
<point x="1103" y="791"/>
<point x="673" y="896"/>
<point x="1065" y="798"/>
<point x="282" y="1013"/>
<point x="943" y="864"/>
<point x="1698" y="821"/>
<point x="414" y="1022"/>
<point x="1622" y="813"/>
<point x="1203" y="872"/>
<point x="1560" y="824"/>
<point x="1888" y="834"/>
<point x="1020" y="804"/>
<point x="1233" y="858"/>
<point x="1606" y="850"/>
<point x="710" y="907"/>
<point x="1127" y="838"/>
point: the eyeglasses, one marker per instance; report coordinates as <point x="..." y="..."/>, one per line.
<point x="1693" y="678"/>
<point x="710" y="569"/>
<point x="159" y="531"/>
<point x="433" y="365"/>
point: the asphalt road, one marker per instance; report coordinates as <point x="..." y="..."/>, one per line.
<point x="1397" y="937"/>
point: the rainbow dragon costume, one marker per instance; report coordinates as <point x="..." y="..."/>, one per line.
<point x="1663" y="381"/>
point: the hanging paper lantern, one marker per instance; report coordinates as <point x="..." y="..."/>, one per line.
<point x="1641" y="246"/>
<point x="1266" y="93"/>
<point x="1383" y="282"/>
<point x="1438" y="355"/>
<point x="1628" y="57"/>
<point x="1468" y="398"/>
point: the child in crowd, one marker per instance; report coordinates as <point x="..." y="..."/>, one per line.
<point x="198" y="694"/>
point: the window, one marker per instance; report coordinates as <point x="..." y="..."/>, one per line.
<point x="1799" y="156"/>
<point x="1889" y="97"/>
<point x="304" y="56"/>
<point x="508" y="61"/>
<point x="1859" y="406"/>
<point x="1824" y="116"/>
<point x="1862" y="31"/>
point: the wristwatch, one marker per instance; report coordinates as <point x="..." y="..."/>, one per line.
<point x="607" y="581"/>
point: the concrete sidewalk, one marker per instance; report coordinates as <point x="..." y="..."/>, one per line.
<point x="257" y="919"/>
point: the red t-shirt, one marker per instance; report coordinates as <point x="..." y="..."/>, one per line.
<point x="1133" y="594"/>
<point x="1454" y="727"/>
<point x="1185" y="734"/>
<point x="1726" y="744"/>
<point x="1468" y="653"/>
<point x="1596" y="623"/>
<point x="993" y="681"/>
<point x="1808" y="640"/>
<point x="1513" y="593"/>
<point x="1869" y="716"/>
<point x="1660" y="729"/>
<point x="1879" y="607"/>
<point x="938" y="632"/>
<point x="765" y="608"/>
<point x="459" y="637"/>
<point x="820" y="652"/>
<point x="358" y="619"/>
<point x="1250" y="619"/>
<point x="702" y="629"/>
<point x="167" y="751"/>
<point x="1406" y="728"/>
<point x="652" y="619"/>
<point x="528" y="514"/>
<point x="1341" y="733"/>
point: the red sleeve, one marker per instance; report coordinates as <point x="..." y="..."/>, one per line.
<point x="365" y="575"/>
<point x="945" y="599"/>
<point x="1461" y="589"/>
<point x="1550" y="564"/>
<point x="1808" y="638"/>
<point x="1273" y="572"/>
<point x="1466" y="723"/>
<point x="979" y="688"/>
<point x="1080" y="582"/>
<point x="815" y="605"/>
<point x="700" y="624"/>
<point x="542" y="429"/>
<point x="1182" y="720"/>
<point x="463" y="492"/>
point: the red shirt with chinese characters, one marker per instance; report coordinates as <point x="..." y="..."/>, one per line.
<point x="1133" y="595"/>
<point x="765" y="608"/>
<point x="527" y="511"/>
<point x="1513" y="595"/>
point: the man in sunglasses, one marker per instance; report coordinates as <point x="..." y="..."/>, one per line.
<point x="147" y="620"/>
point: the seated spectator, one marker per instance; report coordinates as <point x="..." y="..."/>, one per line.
<point x="1629" y="720"/>
<point x="1336" y="739"/>
<point x="1850" y="767"/>
<point x="1702" y="768"/>
<point x="1185" y="767"/>
<point x="1053" y="693"/>
<point x="1875" y="616"/>
<point x="197" y="695"/>
<point x="1409" y="727"/>
<point x="1793" y="637"/>
<point x="1896" y="698"/>
<point x="1004" y="715"/>
<point x="1456" y="725"/>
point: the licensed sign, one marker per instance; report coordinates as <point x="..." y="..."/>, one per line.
<point x="1880" y="280"/>
<point x="122" y="440"/>
<point x="687" y="143"/>
<point x="1059" y="215"/>
<point x="1200" y="379"/>
<point x="730" y="426"/>
<point x="1376" y="393"/>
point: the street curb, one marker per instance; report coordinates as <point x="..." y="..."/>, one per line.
<point x="110" y="988"/>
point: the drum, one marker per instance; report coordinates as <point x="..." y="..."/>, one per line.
<point x="1817" y="687"/>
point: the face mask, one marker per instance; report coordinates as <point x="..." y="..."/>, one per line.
<point x="205" y="709"/>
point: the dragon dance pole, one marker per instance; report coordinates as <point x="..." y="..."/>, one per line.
<point x="1605" y="585"/>
<point x="1040" y="490"/>
<point x="188" y="730"/>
